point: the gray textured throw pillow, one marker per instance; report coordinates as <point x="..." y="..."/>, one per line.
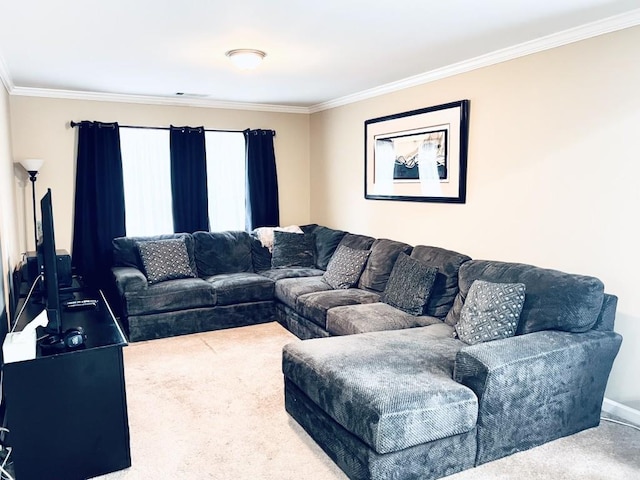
<point x="292" y="250"/>
<point x="409" y="285"/>
<point x="491" y="311"/>
<point x="345" y="267"/>
<point x="165" y="260"/>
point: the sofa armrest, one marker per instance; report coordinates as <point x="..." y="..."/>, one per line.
<point x="537" y="387"/>
<point x="129" y="279"/>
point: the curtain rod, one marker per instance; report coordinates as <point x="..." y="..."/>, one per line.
<point x="75" y="124"/>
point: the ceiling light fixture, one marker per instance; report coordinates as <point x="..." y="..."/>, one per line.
<point x="246" y="58"/>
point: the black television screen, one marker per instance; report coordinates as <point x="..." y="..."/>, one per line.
<point x="48" y="268"/>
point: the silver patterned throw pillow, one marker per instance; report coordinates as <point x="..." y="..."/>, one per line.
<point x="165" y="260"/>
<point x="345" y="267"/>
<point x="491" y="311"/>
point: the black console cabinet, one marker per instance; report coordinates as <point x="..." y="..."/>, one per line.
<point x="67" y="412"/>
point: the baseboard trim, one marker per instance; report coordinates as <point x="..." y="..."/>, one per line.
<point x="622" y="411"/>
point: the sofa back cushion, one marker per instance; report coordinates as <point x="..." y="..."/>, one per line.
<point x="222" y="252"/>
<point x="357" y="242"/>
<point x="126" y="254"/>
<point x="383" y="257"/>
<point x="326" y="241"/>
<point x="445" y="287"/>
<point x="554" y="301"/>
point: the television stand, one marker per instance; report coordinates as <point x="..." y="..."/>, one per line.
<point x="67" y="411"/>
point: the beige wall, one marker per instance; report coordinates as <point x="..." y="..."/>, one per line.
<point x="552" y="177"/>
<point x="8" y="240"/>
<point x="40" y="128"/>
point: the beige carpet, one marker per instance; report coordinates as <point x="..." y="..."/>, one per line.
<point x="210" y="406"/>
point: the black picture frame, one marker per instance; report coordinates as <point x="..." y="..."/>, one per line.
<point x="395" y="146"/>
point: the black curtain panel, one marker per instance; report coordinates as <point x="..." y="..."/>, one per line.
<point x="262" y="180"/>
<point x="189" y="180"/>
<point x="99" y="214"/>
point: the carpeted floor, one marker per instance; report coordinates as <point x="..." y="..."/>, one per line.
<point x="210" y="406"/>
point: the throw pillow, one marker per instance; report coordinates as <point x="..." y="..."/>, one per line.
<point x="165" y="260"/>
<point x="491" y="311"/>
<point x="345" y="267"/>
<point x="409" y="285"/>
<point x="292" y="250"/>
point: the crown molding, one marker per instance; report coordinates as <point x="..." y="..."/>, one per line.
<point x="183" y="101"/>
<point x="572" y="35"/>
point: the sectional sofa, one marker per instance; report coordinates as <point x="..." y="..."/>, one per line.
<point x="483" y="360"/>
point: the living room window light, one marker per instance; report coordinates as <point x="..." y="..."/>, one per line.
<point x="226" y="180"/>
<point x="147" y="180"/>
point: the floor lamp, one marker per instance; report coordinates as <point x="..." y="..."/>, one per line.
<point x="32" y="166"/>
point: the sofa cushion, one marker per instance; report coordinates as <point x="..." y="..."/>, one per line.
<point x="260" y="255"/>
<point x="314" y="306"/>
<point x="398" y="391"/>
<point x="170" y="296"/>
<point x="309" y="228"/>
<point x="267" y="237"/>
<point x="292" y="250"/>
<point x="292" y="272"/>
<point x="358" y="242"/>
<point x="289" y="289"/>
<point x="445" y="287"/>
<point x="326" y="241"/>
<point x="345" y="267"/>
<point x="222" y="252"/>
<point x="126" y="253"/>
<point x="373" y="317"/>
<point x="409" y="285"/>
<point x="554" y="301"/>
<point x="232" y="288"/>
<point x="491" y="311"/>
<point x="165" y="260"/>
<point x="383" y="257"/>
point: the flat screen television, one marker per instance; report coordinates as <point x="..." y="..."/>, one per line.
<point x="48" y="268"/>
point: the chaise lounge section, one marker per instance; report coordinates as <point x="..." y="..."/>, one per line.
<point x="418" y="403"/>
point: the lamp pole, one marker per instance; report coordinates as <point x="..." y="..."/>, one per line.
<point x="32" y="176"/>
<point x="32" y="166"/>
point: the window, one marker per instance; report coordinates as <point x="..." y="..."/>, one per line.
<point x="146" y="171"/>
<point x="146" y="166"/>
<point x="226" y="180"/>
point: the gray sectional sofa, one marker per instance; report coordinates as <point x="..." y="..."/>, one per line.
<point x="391" y="394"/>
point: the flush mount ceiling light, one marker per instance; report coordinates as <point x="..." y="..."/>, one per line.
<point x="246" y="58"/>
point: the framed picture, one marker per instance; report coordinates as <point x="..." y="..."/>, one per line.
<point x="418" y="156"/>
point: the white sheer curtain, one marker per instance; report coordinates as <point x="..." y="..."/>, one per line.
<point x="147" y="181"/>
<point x="226" y="184"/>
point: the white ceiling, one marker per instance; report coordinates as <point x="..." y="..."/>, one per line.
<point x="317" y="52"/>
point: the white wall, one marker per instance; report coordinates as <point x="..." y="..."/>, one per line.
<point x="40" y="128"/>
<point x="552" y="177"/>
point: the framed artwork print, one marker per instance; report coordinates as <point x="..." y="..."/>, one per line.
<point x="418" y="156"/>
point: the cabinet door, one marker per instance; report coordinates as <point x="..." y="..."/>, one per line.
<point x="67" y="415"/>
